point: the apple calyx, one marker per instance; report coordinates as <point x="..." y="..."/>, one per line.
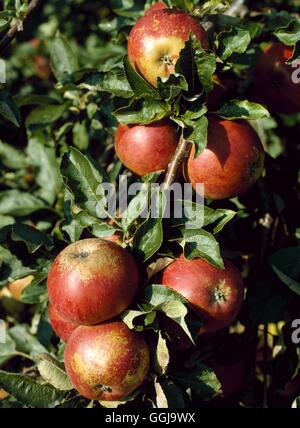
<point x="220" y="293"/>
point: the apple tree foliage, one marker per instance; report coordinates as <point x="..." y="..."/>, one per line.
<point x="68" y="83"/>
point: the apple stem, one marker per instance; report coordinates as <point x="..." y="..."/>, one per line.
<point x="182" y="151"/>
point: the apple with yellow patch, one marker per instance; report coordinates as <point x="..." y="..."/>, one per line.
<point x="215" y="294"/>
<point x="155" y="42"/>
<point x="106" y="362"/>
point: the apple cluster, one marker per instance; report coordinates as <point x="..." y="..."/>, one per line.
<point x="91" y="282"/>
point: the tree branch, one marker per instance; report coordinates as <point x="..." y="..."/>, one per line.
<point x="182" y="151"/>
<point x="12" y="32"/>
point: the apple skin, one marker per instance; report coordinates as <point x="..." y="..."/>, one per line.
<point x="155" y="42"/>
<point x="156" y="6"/>
<point x="215" y="294"/>
<point x="146" y="148"/>
<point x="92" y="280"/>
<point x="231" y="163"/>
<point x="273" y="80"/>
<point x="62" y="327"/>
<point x="106" y="362"/>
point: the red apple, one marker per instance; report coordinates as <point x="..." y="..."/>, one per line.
<point x="273" y="80"/>
<point x="156" y="40"/>
<point x="62" y="327"/>
<point x="106" y="362"/>
<point x="92" y="280"/>
<point x="146" y="148"/>
<point x="231" y="163"/>
<point x="215" y="294"/>
<point x="155" y="7"/>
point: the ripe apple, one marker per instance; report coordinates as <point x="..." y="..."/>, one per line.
<point x="215" y="294"/>
<point x="62" y="327"/>
<point x="231" y="163"/>
<point x="16" y="287"/>
<point x="106" y="362"/>
<point x="92" y="280"/>
<point x="155" y="42"/>
<point x="146" y="148"/>
<point x="156" y="6"/>
<point x="273" y="80"/>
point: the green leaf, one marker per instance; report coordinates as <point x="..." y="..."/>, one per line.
<point x="16" y="203"/>
<point x="285" y="264"/>
<point x="136" y="207"/>
<point x="46" y="167"/>
<point x="169" y="395"/>
<point x="162" y="357"/>
<point x="6" y="220"/>
<point x="7" y="349"/>
<point x="290" y="34"/>
<point x="129" y="317"/>
<point x="206" y="64"/>
<point x="54" y="372"/>
<point x="171" y="88"/>
<point x="200" y="243"/>
<point x="138" y="84"/>
<point x="202" y="381"/>
<point x="11" y="157"/>
<point x="11" y="267"/>
<point x="143" y="111"/>
<point x="113" y="82"/>
<point x="29" y="392"/>
<point x="211" y="7"/>
<point x="25" y="341"/>
<point x="242" y="109"/>
<point x="46" y="114"/>
<point x="235" y="40"/>
<point x="32" y="237"/>
<point x="149" y="236"/>
<point x="9" y="109"/>
<point x="64" y="60"/>
<point x="197" y="133"/>
<point x="172" y="304"/>
<point x="296" y="403"/>
<point x="84" y="181"/>
<point x="198" y="216"/>
<point x="80" y="136"/>
<point x="36" y="290"/>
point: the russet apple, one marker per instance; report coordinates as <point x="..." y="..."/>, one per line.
<point x="155" y="42"/>
<point x="92" y="280"/>
<point x="106" y="362"/>
<point x="215" y="294"/>
<point x="146" y="148"/>
<point x="231" y="163"/>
